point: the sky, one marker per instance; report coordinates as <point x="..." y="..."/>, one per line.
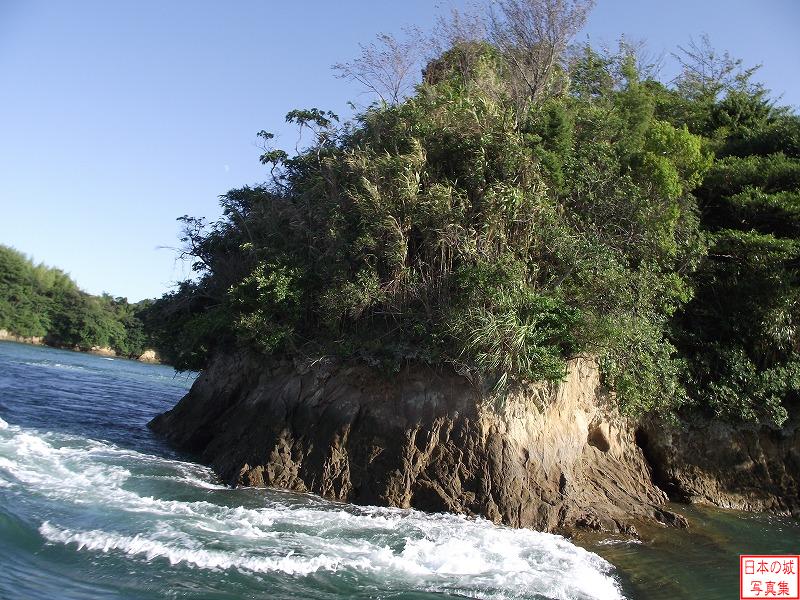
<point x="117" y="117"/>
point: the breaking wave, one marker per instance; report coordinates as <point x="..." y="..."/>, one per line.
<point x="102" y="499"/>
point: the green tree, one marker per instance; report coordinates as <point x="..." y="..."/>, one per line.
<point x="457" y="228"/>
<point x="40" y="301"/>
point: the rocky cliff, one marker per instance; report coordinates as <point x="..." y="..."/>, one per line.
<point x="549" y="456"/>
<point x="746" y="466"/>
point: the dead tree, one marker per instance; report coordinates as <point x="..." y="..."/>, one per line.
<point x="534" y="36"/>
<point x="388" y="67"/>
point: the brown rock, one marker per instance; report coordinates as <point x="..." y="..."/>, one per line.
<point x="149" y="356"/>
<point x="600" y="436"/>
<point x="7" y="336"/>
<point x="742" y="466"/>
<point x="102" y="351"/>
<point x="549" y="456"/>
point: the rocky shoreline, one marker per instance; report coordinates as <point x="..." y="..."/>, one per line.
<point x="554" y="457"/>
<point x="743" y="467"/>
<point x="148" y="356"/>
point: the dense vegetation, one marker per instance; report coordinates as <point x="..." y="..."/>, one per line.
<point x="40" y="301"/>
<point x="740" y="331"/>
<point x="524" y="205"/>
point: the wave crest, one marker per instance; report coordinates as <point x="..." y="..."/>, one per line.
<point x="153" y="509"/>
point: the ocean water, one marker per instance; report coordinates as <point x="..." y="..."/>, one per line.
<point x="93" y="506"/>
<point x="701" y="562"/>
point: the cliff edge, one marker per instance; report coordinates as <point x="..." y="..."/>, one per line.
<point x="553" y="457"/>
<point x="743" y="466"/>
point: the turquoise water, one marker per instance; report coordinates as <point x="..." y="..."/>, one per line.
<point x="702" y="562"/>
<point x="92" y="505"/>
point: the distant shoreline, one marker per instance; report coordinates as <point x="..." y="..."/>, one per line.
<point x="148" y="356"/>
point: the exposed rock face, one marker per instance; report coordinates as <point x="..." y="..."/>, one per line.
<point x="102" y="351"/>
<point x="7" y="336"/>
<point x="149" y="356"/>
<point x="745" y="467"/>
<point x="552" y="457"/>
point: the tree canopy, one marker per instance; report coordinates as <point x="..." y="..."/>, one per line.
<point x="41" y="301"/>
<point x="529" y="201"/>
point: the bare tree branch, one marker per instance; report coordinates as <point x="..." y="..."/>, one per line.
<point x="388" y="67"/>
<point x="707" y="73"/>
<point x="534" y="36"/>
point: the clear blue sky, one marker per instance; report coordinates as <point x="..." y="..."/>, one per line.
<point x="118" y="116"/>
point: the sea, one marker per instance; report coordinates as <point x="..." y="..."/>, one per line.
<point x="95" y="506"/>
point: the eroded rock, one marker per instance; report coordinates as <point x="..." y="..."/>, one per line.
<point x="149" y="356"/>
<point x="743" y="466"/>
<point x="549" y="456"/>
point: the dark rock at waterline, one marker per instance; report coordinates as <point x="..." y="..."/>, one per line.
<point x="549" y="456"/>
<point x="743" y="466"/>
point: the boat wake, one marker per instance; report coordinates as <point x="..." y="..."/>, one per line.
<point x="112" y="502"/>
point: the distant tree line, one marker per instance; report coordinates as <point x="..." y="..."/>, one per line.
<point x="525" y="201"/>
<point x="44" y="302"/>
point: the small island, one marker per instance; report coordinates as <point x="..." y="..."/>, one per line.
<point x="519" y="320"/>
<point x="547" y="288"/>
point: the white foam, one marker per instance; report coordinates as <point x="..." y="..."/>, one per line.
<point x="54" y="365"/>
<point x="123" y="494"/>
<point x="619" y="542"/>
<point x="139" y="545"/>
